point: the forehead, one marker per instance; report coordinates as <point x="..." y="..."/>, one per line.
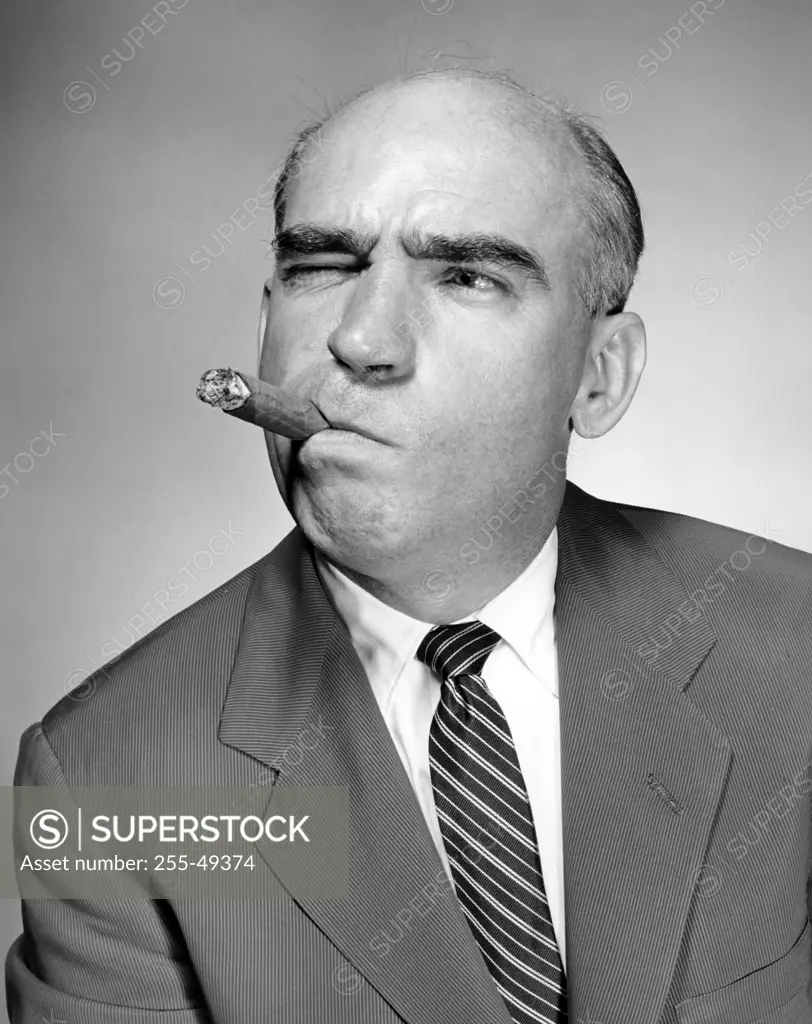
<point x="444" y="157"/>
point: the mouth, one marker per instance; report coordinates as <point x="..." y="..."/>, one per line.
<point x="339" y="426"/>
<point x="363" y="435"/>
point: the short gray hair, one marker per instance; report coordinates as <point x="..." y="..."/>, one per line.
<point x="608" y="201"/>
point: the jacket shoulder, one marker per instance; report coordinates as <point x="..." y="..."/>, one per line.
<point x="694" y="537"/>
<point x="767" y="585"/>
<point x="168" y="685"/>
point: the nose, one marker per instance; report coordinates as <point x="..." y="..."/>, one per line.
<point x="377" y="333"/>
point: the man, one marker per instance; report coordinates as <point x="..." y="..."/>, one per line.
<point x="593" y="721"/>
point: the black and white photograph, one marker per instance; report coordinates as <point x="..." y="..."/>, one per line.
<point x="405" y="498"/>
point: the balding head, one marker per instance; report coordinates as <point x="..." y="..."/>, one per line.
<point x="612" y="239"/>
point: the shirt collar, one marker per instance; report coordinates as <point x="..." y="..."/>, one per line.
<point x="386" y="639"/>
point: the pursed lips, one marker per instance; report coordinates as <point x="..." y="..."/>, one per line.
<point x="353" y="428"/>
<point x="357" y="430"/>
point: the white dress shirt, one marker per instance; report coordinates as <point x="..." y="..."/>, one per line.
<point x="521" y="673"/>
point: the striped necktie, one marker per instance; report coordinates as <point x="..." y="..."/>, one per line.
<point x="487" y="827"/>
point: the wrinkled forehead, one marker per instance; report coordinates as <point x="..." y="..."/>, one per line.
<point x="442" y="157"/>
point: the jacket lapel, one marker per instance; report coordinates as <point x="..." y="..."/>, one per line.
<point x="295" y="668"/>
<point x="642" y="768"/>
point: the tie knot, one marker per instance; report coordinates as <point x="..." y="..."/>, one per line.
<point x="456" y="649"/>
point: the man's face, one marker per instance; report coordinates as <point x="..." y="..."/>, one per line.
<point x="457" y="358"/>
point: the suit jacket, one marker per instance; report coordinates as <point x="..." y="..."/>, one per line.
<point x="685" y="674"/>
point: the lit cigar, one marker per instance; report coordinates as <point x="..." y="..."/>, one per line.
<point x="254" y="401"/>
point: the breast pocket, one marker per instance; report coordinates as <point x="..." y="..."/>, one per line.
<point x="776" y="994"/>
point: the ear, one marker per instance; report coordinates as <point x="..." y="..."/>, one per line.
<point x="613" y="365"/>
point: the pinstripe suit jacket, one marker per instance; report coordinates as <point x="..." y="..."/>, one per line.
<point x="685" y="663"/>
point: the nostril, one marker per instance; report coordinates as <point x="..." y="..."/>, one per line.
<point x="369" y="376"/>
<point x="369" y="373"/>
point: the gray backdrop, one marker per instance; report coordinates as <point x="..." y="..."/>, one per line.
<point x="123" y="500"/>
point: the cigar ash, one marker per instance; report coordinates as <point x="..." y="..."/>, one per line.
<point x="223" y="389"/>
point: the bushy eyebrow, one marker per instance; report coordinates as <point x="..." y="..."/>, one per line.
<point x="315" y="240"/>
<point x="477" y="248"/>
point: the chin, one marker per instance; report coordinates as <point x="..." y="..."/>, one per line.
<point x="363" y="533"/>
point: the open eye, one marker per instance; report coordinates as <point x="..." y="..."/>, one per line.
<point x="474" y="280"/>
